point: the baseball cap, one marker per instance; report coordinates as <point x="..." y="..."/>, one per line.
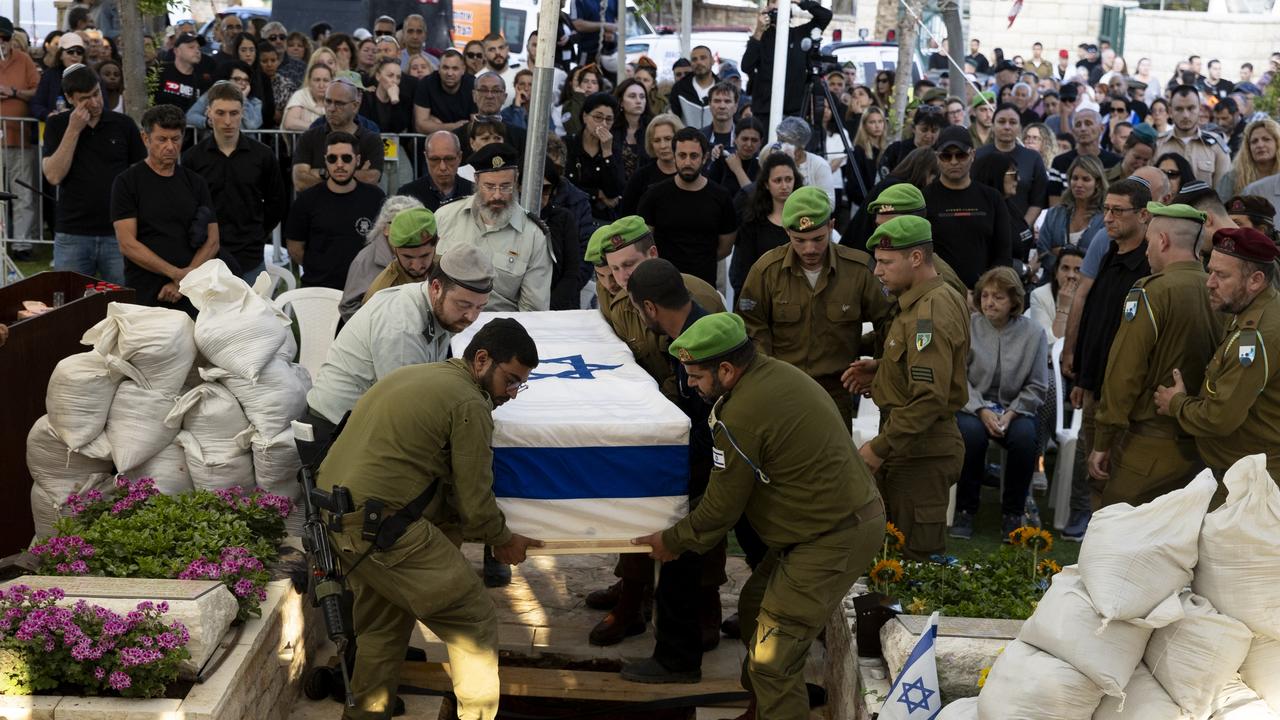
<point x="953" y="136"/>
<point x="70" y="40"/>
<point x="185" y="38"/>
<point x="1063" y="53"/>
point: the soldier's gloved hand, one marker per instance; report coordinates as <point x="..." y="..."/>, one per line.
<point x="515" y="550"/>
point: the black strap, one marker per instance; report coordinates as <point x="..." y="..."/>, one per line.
<point x="393" y="527"/>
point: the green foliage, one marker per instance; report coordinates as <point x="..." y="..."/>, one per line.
<point x="1269" y="101"/>
<point x="977" y="585"/>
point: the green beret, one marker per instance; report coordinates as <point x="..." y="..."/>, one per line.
<point x="934" y="94"/>
<point x="983" y="98"/>
<point x="1145" y="133"/>
<point x="806" y="209"/>
<point x="624" y="231"/>
<point x="710" y="337"/>
<point x="414" y="227"/>
<point x="898" y="199"/>
<point x="900" y="233"/>
<point x="1177" y="210"/>
<point x="595" y="246"/>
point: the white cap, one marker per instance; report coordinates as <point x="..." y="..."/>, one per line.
<point x="361" y="34"/>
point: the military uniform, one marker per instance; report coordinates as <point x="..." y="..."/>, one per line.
<point x="518" y="250"/>
<point x="392" y="451"/>
<point x="779" y="444"/>
<point x="919" y="386"/>
<point x="1167" y="323"/>
<point x="1208" y="157"/>
<point x="816" y="326"/>
<point x="391" y="276"/>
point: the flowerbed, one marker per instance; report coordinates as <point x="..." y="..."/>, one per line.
<point x="1005" y="584"/>
<point x="87" y="648"/>
<point x="225" y="535"/>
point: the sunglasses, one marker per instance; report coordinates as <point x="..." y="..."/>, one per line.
<point x="953" y="156"/>
<point x="74" y="51"/>
<point x="1171" y="173"/>
<point x="333" y="158"/>
<point x="475" y="55"/>
<point x="382" y="33"/>
<point x="274" y="38"/>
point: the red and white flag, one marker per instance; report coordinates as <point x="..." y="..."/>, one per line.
<point x="1013" y="11"/>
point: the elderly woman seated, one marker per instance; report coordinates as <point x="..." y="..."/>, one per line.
<point x="1008" y="374"/>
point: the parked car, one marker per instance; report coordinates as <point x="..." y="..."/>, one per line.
<point x="870" y="57"/>
<point x="664" y="49"/>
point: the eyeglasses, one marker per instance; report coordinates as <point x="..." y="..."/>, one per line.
<point x="475" y="55"/>
<point x="953" y="156"/>
<point x="438" y="160"/>
<point x="602" y="119"/>
<point x="333" y="158"/>
<point x="488" y="118"/>
<point x="504" y="188"/>
<point x="1117" y="211"/>
<point x="1120" y="110"/>
<point x="276" y="37"/>
<point x="490" y="91"/>
<point x="516" y="386"/>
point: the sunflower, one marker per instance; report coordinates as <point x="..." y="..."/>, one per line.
<point x="1049" y="567"/>
<point x="982" y="676"/>
<point x="893" y="537"/>
<point x="887" y="571"/>
<point x="1038" y="540"/>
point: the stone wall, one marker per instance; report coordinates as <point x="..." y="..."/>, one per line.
<point x="1055" y="24"/>
<point x="1168" y="37"/>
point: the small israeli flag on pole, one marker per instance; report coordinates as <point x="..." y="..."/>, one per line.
<point x="915" y="694"/>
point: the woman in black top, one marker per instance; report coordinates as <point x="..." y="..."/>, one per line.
<point x="593" y="162"/>
<point x="868" y="144"/>
<point x="386" y="106"/>
<point x="920" y="168"/>
<point x="761" y="229"/>
<point x="628" y="128"/>
<point x="566" y="280"/>
<point x="657" y="141"/>
<point x="1002" y="175"/>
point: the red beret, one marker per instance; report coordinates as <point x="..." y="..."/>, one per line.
<point x="1246" y="244"/>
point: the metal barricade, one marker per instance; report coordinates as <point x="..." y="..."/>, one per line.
<point x="23" y="219"/>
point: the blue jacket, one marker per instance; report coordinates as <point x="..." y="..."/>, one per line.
<point x="1055" y="231"/>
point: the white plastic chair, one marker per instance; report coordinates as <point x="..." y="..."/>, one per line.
<point x="316" y="310"/>
<point x="281" y="275"/>
<point x="1065" y="438"/>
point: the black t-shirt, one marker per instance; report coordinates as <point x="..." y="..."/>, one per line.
<point x="687" y="225"/>
<point x="1103" y="309"/>
<point x="175" y="88"/>
<point x="333" y="227"/>
<point x="311" y="147"/>
<point x="719" y="172"/>
<point x="444" y="106"/>
<point x="971" y="228"/>
<point x="164" y="208"/>
<point x="1058" y="179"/>
<point x="102" y="152"/>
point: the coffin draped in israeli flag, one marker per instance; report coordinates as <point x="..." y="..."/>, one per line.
<point x="592" y="450"/>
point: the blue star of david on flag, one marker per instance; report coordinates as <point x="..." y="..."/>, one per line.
<point x="576" y="368"/>
<point x="913" y="692"/>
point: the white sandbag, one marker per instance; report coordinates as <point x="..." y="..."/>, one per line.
<point x="1239" y="568"/>
<point x="237" y="329"/>
<point x="1144" y="699"/>
<point x="1066" y="625"/>
<point x="1261" y="669"/>
<point x="1237" y="701"/>
<point x="220" y="471"/>
<point x="1198" y="654"/>
<point x="211" y="413"/>
<point x="1135" y="557"/>
<point x="58" y="472"/>
<point x="78" y="397"/>
<point x="277" y="399"/>
<point x="289" y="350"/>
<point x="276" y="464"/>
<point x="136" y="426"/>
<point x="1030" y="684"/>
<point x="962" y="709"/>
<point x="168" y="468"/>
<point x="154" y="347"/>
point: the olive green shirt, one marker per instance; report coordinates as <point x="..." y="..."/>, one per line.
<point x="787" y="425"/>
<point x="817" y="328"/>
<point x="648" y="346"/>
<point x="423" y="424"/>
<point x="1166" y="323"/>
<point x="391" y="276"/>
<point x="921" y="382"/>
<point x="1237" y="411"/>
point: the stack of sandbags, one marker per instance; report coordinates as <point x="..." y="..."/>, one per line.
<point x="1239" y="570"/>
<point x="249" y="345"/>
<point x="59" y="471"/>
<point x="1088" y="635"/>
<point x="214" y="435"/>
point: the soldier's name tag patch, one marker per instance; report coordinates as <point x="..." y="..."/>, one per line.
<point x="920" y="373"/>
<point x="717" y="457"/>
<point x="1130" y="309"/>
<point x="1247" y="354"/>
<point x="746" y="304"/>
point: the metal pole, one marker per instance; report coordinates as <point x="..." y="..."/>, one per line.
<point x="535" y="153"/>
<point x="781" y="39"/>
<point x="686" y="27"/>
<point x="622" y="42"/>
<point x="495" y="16"/>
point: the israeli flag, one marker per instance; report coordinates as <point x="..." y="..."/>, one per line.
<point x="915" y="694"/>
<point x="591" y="451"/>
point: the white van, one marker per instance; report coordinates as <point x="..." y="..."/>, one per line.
<point x="664" y="49"/>
<point x="519" y="18"/>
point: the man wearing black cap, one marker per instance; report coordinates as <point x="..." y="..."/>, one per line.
<point x="1233" y="414"/>
<point x="1068" y="97"/>
<point x="494" y="221"/>
<point x="971" y="224"/>
<point x="181" y="82"/>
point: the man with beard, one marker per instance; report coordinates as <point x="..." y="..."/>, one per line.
<point x="493" y="221"/>
<point x="692" y="218"/>
<point x="694" y="89"/>
<point x="404" y="325"/>
<point x="778" y="443"/>
<point x="1234" y="413"/>
<point x="341" y="104"/>
<point x="413" y="248"/>
<point x="496" y="54"/>
<point x="328" y="223"/>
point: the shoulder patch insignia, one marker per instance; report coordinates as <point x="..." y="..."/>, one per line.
<point x="1247" y="354"/>
<point x="920" y="373"/>
<point x="746" y="304"/>
<point x="1130" y="309"/>
<point x="922" y="341"/>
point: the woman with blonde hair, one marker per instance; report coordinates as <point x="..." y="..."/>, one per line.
<point x="1256" y="159"/>
<point x="306" y="105"/>
<point x="1078" y="216"/>
<point x="1038" y="137"/>
<point x="658" y="136"/>
<point x="868" y="145"/>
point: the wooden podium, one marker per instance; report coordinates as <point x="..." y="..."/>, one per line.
<point x="27" y="360"/>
